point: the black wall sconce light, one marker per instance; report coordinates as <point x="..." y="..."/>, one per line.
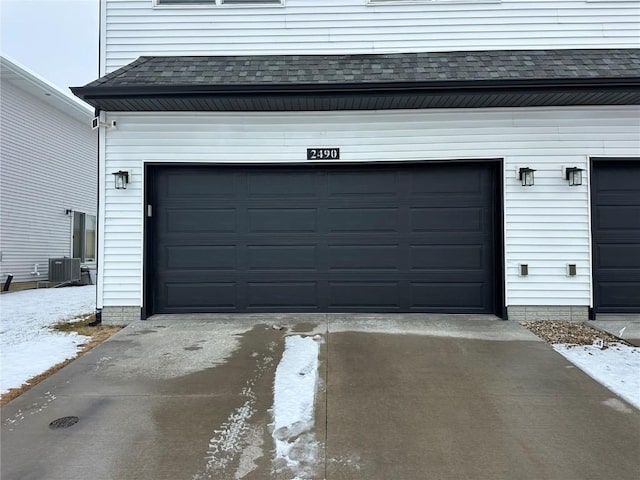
<point x="121" y="179"/>
<point x="525" y="175"/>
<point x="573" y="175"/>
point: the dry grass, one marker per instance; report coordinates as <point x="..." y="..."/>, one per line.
<point x="83" y="326"/>
<point x="572" y="333"/>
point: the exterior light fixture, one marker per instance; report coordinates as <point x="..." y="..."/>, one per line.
<point x="121" y="179"/>
<point x="573" y="175"/>
<point x="525" y="175"/>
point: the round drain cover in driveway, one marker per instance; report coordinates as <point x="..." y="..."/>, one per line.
<point x="63" y="422"/>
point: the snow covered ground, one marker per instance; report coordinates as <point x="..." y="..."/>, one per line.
<point x="617" y="367"/>
<point x="27" y="346"/>
<point x="294" y="392"/>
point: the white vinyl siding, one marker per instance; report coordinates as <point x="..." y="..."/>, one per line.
<point x="217" y="2"/>
<point x="547" y="225"/>
<point x="135" y="27"/>
<point x="47" y="166"/>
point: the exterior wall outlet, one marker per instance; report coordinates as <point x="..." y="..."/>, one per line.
<point x="571" y="270"/>
<point x="523" y="269"/>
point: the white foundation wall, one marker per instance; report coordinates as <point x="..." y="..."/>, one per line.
<point x="546" y="225"/>
<point x="131" y="28"/>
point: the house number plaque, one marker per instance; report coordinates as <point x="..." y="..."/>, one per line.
<point x="323" y="154"/>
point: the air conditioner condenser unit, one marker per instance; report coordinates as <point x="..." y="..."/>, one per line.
<point x="63" y="270"/>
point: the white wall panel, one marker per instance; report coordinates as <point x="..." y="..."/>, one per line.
<point x="547" y="225"/>
<point x="47" y="165"/>
<point x="135" y="27"/>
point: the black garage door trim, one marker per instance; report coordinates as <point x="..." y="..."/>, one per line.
<point x="156" y="277"/>
<point x="615" y="227"/>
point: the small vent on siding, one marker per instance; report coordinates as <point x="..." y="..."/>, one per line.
<point x="524" y="269"/>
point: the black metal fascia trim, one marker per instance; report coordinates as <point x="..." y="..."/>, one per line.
<point x="123" y="92"/>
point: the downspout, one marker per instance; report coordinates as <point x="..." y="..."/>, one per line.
<point x="98" y="318"/>
<point x="69" y="212"/>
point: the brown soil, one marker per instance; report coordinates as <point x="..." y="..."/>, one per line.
<point x="572" y="333"/>
<point x="97" y="334"/>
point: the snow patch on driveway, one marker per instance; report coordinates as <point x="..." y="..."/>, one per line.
<point x="616" y="367"/>
<point x="293" y="408"/>
<point x="27" y="346"/>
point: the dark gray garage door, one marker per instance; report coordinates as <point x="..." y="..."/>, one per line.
<point x="413" y="238"/>
<point x="616" y="235"/>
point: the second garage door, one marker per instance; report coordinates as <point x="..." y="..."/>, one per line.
<point x="616" y="235"/>
<point x="411" y="238"/>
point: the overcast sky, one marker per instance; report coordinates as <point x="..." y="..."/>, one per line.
<point x="57" y="39"/>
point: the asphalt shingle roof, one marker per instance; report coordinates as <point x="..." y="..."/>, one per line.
<point x="479" y="79"/>
<point x="434" y="67"/>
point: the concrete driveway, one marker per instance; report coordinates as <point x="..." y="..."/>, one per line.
<point x="398" y="397"/>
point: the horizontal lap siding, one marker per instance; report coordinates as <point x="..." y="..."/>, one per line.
<point x="121" y="273"/>
<point x="547" y="225"/>
<point x="135" y="28"/>
<point x="47" y="165"/>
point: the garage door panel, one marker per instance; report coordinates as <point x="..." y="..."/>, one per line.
<point x="195" y="295"/>
<point x="610" y="181"/>
<point x="201" y="257"/>
<point x="213" y="220"/>
<point x="285" y="295"/>
<point x="449" y="238"/>
<point x="363" y="220"/>
<point x="326" y="238"/>
<point x="467" y="295"/>
<point x="363" y="294"/>
<point x="618" y="217"/>
<point x="358" y="257"/>
<point x="456" y="257"/>
<point x="282" y="257"/>
<point x="191" y="185"/>
<point x="468" y="219"/>
<point x="619" y="276"/>
<point x="358" y="184"/>
<point x="619" y="295"/>
<point x="618" y="255"/>
<point x="282" y="220"/>
<point x="448" y="181"/>
<point x="288" y="184"/>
